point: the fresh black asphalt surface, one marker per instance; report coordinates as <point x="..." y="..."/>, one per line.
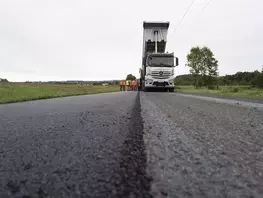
<point x="131" y="144"/>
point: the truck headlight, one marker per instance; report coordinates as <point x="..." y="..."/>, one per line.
<point x="171" y="81"/>
<point x="149" y="81"/>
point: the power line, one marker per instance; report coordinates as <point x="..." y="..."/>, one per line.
<point x="183" y="16"/>
<point x="202" y="10"/>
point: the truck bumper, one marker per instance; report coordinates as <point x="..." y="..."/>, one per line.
<point x="159" y="83"/>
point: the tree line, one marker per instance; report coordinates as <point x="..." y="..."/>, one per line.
<point x="254" y="79"/>
<point x="4" y="80"/>
<point x="203" y="68"/>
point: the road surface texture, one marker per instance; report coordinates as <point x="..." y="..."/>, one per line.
<point x="131" y="144"/>
<point x="85" y="146"/>
<point x="203" y="147"/>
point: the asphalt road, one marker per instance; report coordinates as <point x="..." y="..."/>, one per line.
<point x="131" y="145"/>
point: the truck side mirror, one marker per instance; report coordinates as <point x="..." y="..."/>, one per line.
<point x="176" y="61"/>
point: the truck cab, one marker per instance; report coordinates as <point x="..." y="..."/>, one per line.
<point x="159" y="71"/>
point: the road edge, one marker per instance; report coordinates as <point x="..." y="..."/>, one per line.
<point x="223" y="97"/>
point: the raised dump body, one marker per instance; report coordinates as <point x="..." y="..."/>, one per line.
<point x="154" y="33"/>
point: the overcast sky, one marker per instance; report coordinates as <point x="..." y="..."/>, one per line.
<point x="102" y="39"/>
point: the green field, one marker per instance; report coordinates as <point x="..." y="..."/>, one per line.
<point x="226" y="91"/>
<point x="17" y="92"/>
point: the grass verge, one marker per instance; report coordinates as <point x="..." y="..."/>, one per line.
<point x="17" y="92"/>
<point x="245" y="92"/>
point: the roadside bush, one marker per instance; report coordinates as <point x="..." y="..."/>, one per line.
<point x="213" y="87"/>
<point x="234" y="90"/>
<point x="258" y="81"/>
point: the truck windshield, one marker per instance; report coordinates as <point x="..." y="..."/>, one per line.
<point x="160" y="61"/>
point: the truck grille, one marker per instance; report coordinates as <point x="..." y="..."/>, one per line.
<point x="160" y="84"/>
<point x="161" y="74"/>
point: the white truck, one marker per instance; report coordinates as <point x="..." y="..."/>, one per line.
<point x="157" y="65"/>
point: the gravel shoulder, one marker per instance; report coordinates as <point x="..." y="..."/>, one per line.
<point x="201" y="147"/>
<point x="222" y="97"/>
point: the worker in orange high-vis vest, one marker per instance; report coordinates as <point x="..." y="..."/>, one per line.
<point x="123" y="85"/>
<point x="133" y="85"/>
<point x="120" y="85"/>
